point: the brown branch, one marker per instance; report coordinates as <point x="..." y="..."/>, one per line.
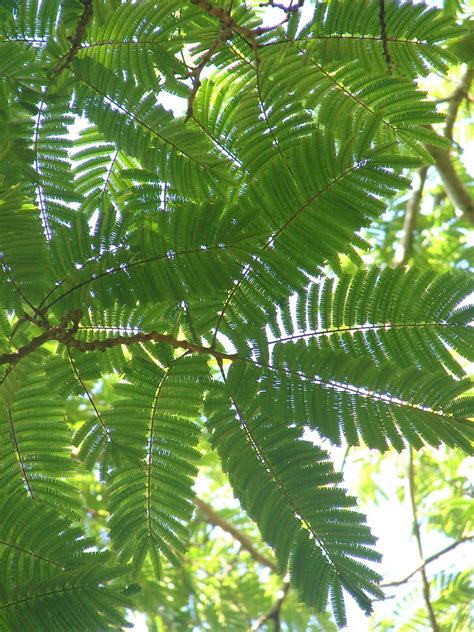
<point x="152" y="336"/>
<point x="224" y="17"/>
<point x="411" y="216"/>
<point x="428" y="560"/>
<point x="417" y="533"/>
<point x="230" y="24"/>
<point x="65" y="331"/>
<point x="291" y="8"/>
<point x="274" y="613"/>
<point x="15" y="356"/>
<point x="76" y="39"/>
<point x="218" y="521"/>
<point x="195" y="73"/>
<point x="460" y="93"/>
<point x="453" y="184"/>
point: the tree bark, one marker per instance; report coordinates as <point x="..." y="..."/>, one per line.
<point x="453" y="184"/>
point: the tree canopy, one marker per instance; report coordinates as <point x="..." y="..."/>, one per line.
<point x="190" y="289"/>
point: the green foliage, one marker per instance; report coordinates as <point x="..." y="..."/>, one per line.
<point x="49" y="578"/>
<point x="415" y="33"/>
<point x="304" y="518"/>
<point x="197" y="258"/>
<point x="150" y="499"/>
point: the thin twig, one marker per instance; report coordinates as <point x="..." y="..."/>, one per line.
<point x="411" y="216"/>
<point x="21" y="462"/>
<point x="417" y="533"/>
<point x="7" y="270"/>
<point x="105" y="430"/>
<point x="291" y="8"/>
<point x="428" y="560"/>
<point x="344" y="458"/>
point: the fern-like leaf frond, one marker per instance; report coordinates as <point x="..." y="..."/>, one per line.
<point x="48" y="577"/>
<point x="150" y="495"/>
<point x="288" y="486"/>
<point x="415" y="35"/>
<point x="410" y="317"/>
<point x="379" y="405"/>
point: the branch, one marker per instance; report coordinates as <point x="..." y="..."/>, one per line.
<point x="428" y="560"/>
<point x="417" y="533"/>
<point x="76" y="39"/>
<point x="274" y="612"/>
<point x="67" y="328"/>
<point x="453" y="184"/>
<point x="195" y="73"/>
<point x="411" y="216"/>
<point x="152" y="336"/>
<point x="230" y="24"/>
<point x="224" y="17"/>
<point x="291" y="8"/>
<point x="218" y="521"/>
<point x="460" y="93"/>
<point x="64" y="334"/>
<point x="15" y="356"/>
<point x="383" y="35"/>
